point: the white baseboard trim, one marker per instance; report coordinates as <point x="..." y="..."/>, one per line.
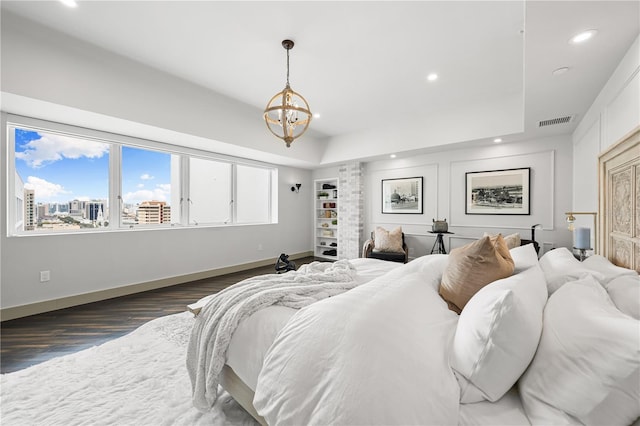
<point x="96" y="296"/>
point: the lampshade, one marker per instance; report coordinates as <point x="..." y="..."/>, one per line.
<point x="287" y="114"/>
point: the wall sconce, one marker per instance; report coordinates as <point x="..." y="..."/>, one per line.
<point x="296" y="188"/>
<point x="583" y="237"/>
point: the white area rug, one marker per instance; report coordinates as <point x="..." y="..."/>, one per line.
<point x="137" y="379"/>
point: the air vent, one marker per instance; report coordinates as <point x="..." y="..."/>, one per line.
<point x="554" y="121"/>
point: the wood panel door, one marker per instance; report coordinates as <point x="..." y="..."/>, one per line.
<point x="619" y="203"/>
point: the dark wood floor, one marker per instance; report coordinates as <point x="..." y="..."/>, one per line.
<point x="37" y="338"/>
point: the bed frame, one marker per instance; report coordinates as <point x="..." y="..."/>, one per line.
<point x="240" y="392"/>
<point x="619" y="202"/>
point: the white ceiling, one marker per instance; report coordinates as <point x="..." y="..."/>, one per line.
<point x="361" y="63"/>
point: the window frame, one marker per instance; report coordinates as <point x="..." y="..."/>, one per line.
<point x="115" y="200"/>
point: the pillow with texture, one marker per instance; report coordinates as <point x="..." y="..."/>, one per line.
<point x="524" y="257"/>
<point x="586" y="368"/>
<point x="512" y="240"/>
<point x="473" y="266"/>
<point x="608" y="270"/>
<point x="625" y="294"/>
<point x="388" y="241"/>
<point x="560" y="267"/>
<point x="497" y="335"/>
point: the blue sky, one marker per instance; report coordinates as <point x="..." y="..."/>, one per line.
<point x="61" y="168"/>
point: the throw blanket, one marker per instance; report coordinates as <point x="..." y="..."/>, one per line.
<point x="378" y="354"/>
<point x="219" y="318"/>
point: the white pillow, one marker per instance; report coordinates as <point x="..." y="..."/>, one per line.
<point x="497" y="335"/>
<point x="586" y="368"/>
<point x="625" y="293"/>
<point x="524" y="257"/>
<point x="560" y="267"/>
<point x="608" y="270"/>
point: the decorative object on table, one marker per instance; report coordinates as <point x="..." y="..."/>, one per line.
<point x="439" y="225"/>
<point x="296" y="187"/>
<point x="283" y="264"/>
<point x="402" y="196"/>
<point x="386" y="245"/>
<point x="498" y="192"/>
<point x="571" y="218"/>
<point x="287" y="114"/>
<point x="582" y="241"/>
<point x="438" y="246"/>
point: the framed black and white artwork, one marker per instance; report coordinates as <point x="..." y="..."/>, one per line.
<point x="402" y="196"/>
<point x="498" y="192"/>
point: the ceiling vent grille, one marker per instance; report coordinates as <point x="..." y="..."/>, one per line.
<point x="554" y="121"/>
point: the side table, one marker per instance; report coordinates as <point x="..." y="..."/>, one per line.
<point x="438" y="246"/>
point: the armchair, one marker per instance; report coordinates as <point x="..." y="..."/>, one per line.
<point x="369" y="250"/>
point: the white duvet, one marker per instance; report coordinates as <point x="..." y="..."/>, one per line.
<point x="351" y="363"/>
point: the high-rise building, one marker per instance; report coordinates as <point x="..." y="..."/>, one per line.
<point x="153" y="212"/>
<point x="29" y="210"/>
<point x="76" y="208"/>
<point x="95" y="211"/>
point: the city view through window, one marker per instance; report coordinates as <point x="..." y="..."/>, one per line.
<point x="62" y="183"/>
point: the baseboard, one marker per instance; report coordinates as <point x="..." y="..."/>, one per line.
<point x="81" y="299"/>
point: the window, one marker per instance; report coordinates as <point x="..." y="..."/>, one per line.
<point x="67" y="179"/>
<point x="61" y="182"/>
<point x="147" y="187"/>
<point x="209" y="191"/>
<point x="252" y="194"/>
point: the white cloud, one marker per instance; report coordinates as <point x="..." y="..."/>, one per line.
<point x="44" y="190"/>
<point x="140" y="185"/>
<point x="146" y="176"/>
<point x="159" y="193"/>
<point x="50" y="148"/>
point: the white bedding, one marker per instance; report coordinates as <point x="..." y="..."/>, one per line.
<point x="345" y="360"/>
<point x="507" y="410"/>
<point x="345" y="335"/>
<point x="255" y="334"/>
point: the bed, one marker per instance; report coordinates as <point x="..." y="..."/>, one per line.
<point x="345" y="359"/>
<point x="557" y="341"/>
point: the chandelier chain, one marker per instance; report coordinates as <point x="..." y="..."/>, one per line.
<point x="287" y="67"/>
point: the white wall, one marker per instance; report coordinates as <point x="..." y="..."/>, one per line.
<point x="550" y="160"/>
<point x="46" y="74"/>
<point x="614" y="113"/>
<point x="444" y="188"/>
<point x="89" y="262"/>
<point x="77" y="84"/>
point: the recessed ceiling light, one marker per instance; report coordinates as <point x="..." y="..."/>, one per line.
<point x="316" y="115"/>
<point x="69" y="3"/>
<point x="560" y="71"/>
<point x="582" y="37"/>
<point x="497" y="140"/>
<point x="432" y="77"/>
<point x="392" y="156"/>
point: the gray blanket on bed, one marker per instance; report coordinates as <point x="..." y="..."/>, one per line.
<point x="219" y="318"/>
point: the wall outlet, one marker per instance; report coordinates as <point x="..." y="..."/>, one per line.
<point x="45" y="276"/>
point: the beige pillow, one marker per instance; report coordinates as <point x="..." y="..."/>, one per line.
<point x="512" y="240"/>
<point x="473" y="266"/>
<point x="388" y="241"/>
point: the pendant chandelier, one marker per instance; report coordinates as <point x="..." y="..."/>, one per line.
<point x="287" y="114"/>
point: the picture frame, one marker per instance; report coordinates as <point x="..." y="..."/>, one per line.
<point x="498" y="192"/>
<point x="402" y="195"/>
